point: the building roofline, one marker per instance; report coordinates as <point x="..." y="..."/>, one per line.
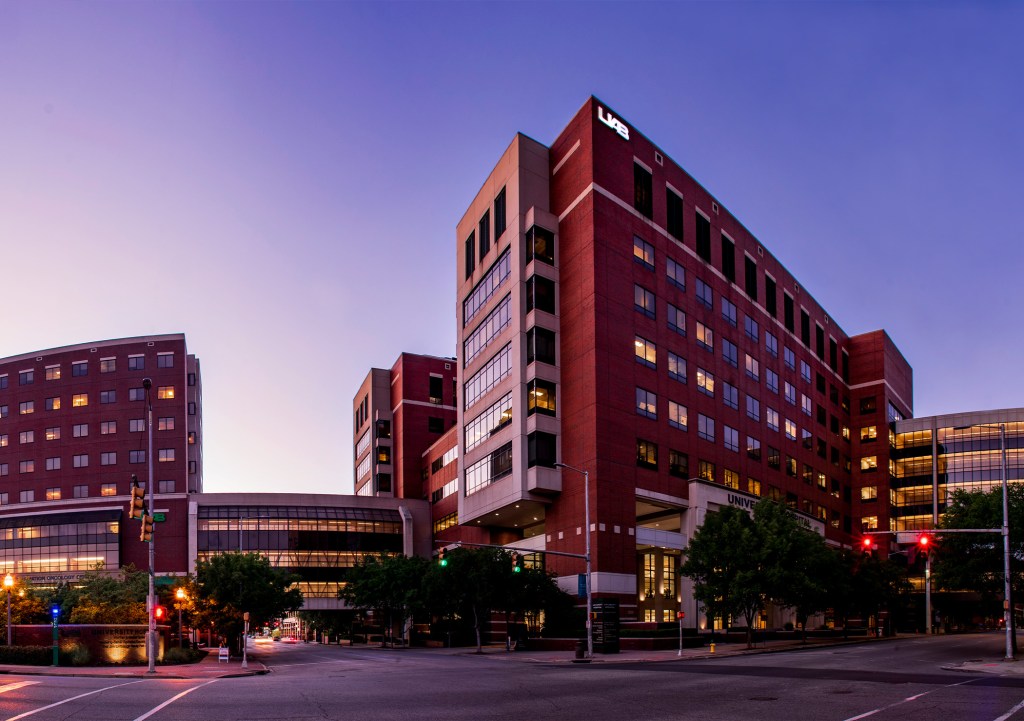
<point x="95" y="344"/>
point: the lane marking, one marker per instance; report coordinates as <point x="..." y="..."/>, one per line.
<point x="13" y="686"/>
<point x="171" y="700"/>
<point x="1011" y="712"/>
<point x="69" y="700"/>
<point x="908" y="700"/>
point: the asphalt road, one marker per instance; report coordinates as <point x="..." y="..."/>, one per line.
<point x="902" y="679"/>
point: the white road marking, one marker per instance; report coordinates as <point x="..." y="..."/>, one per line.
<point x="69" y="700"/>
<point x="12" y="686"/>
<point x="907" y="700"/>
<point x="1011" y="712"/>
<point x="171" y="700"/>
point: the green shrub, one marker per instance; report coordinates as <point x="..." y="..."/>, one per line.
<point x="182" y="655"/>
<point x="78" y="656"/>
<point x="26" y="655"/>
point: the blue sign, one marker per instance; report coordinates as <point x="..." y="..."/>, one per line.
<point x="581" y="585"/>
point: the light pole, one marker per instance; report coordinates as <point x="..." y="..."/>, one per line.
<point x="8" y="584"/>
<point x="151" y="599"/>
<point x="586" y="521"/>
<point x="1007" y="610"/>
<point x="180" y="595"/>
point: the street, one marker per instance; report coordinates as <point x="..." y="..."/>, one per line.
<point x="900" y="679"/>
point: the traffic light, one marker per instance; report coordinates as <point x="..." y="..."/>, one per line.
<point x="146" y="533"/>
<point x="924" y="542"/>
<point x="137" y="505"/>
<point x="517" y="562"/>
<point x="159" y="614"/>
<point x="867" y="545"/>
<point x="442" y="561"/>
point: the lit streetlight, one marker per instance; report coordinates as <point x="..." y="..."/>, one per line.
<point x="586" y="535"/>
<point x="180" y="595"/>
<point x="8" y="584"/>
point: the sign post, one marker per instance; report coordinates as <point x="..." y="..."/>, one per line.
<point x="245" y="640"/>
<point x="55" y="614"/>
<point x="680" y="615"/>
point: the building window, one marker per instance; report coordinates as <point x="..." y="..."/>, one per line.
<point x="107" y="365"/>
<point x="646" y="352"/>
<point x="79" y="400"/>
<point x="774" y="458"/>
<point x="730" y="395"/>
<point x="80" y="460"/>
<point x="869" y="493"/>
<point x="540" y="345"/>
<point x="81" y="491"/>
<point x="3" y="469"/>
<point x="540" y="397"/>
<point x="136" y="362"/>
<point x="499" y="214"/>
<point x="789" y="358"/>
<point x="868" y="433"/>
<point x="643" y="300"/>
<point x="731" y="479"/>
<point x="108" y="459"/>
<point x="678" y="464"/>
<point x="729" y="311"/>
<point x="489" y="469"/>
<point x="705" y="382"/>
<point x="26" y="378"/>
<point x="26" y="407"/>
<point x="676" y="367"/>
<point x="165" y="392"/>
<point x="893" y="414"/>
<point x="53" y="404"/>
<point x="869" y="523"/>
<point x="27" y="437"/>
<point x="53" y="494"/>
<point x="789" y="393"/>
<point x="136" y="425"/>
<point x="643" y="252"/>
<point x="166" y="455"/>
<point x="541" y="449"/>
<point x="3" y="381"/>
<point x="750" y="277"/>
<point x="731" y="440"/>
<point x="80" y="430"/>
<point x="869" y="464"/>
<point x="705" y="427"/>
<point x="703" y="241"/>
<point x="646" y="454"/>
<point x="674" y="214"/>
<point x="80" y="368"/>
<point x="868" y="405"/>
<point x="53" y="373"/>
<point x="470" y="254"/>
<point x="646" y="403"/>
<point x="805" y="371"/>
<point x="435" y="424"/>
<point x="676" y="274"/>
<point x="771" y="380"/>
<point x="53" y="464"/>
<point x="676" y="319"/>
<point x="108" y="428"/>
<point x="136" y="394"/>
<point x="728" y="259"/>
<point x="753" y="449"/>
<point x="772" y="417"/>
<point x="753" y="408"/>
<point x="705" y="296"/>
<point x="165" y="423"/>
<point x="753" y="367"/>
<point x="706" y="470"/>
<point x="490" y="375"/>
<point x="540" y="245"/>
<point x="108" y="489"/>
<point x="108" y="396"/>
<point x="771" y="344"/>
<point x="751" y="328"/>
<point x="705" y="338"/>
<point x="770" y="296"/>
<point x="27" y="496"/>
<point x="677" y="415"/>
<point x="53" y="434"/>
<point x="805" y="404"/>
<point x="140" y="456"/>
<point x="805" y="328"/>
<point x="730" y="353"/>
<point x="790" y="430"/>
<point x="3" y="440"/>
<point x="165" y="486"/>
<point x="643" y="191"/>
<point x="485" y="425"/>
<point x="484" y="228"/>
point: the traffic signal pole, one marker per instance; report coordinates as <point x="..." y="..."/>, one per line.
<point x="151" y="645"/>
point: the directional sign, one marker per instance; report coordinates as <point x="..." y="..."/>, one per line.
<point x="159" y="517"/>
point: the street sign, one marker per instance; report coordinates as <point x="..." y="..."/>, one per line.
<point x="159" y="517"/>
<point x="581" y="585"/>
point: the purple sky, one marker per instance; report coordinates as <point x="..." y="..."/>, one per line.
<point x="281" y="181"/>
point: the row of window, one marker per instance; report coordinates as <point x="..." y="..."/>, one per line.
<point x="81" y="460"/>
<point x="81" y="430"/>
<point x="483" y="233"/>
<point x="81" y="368"/>
<point x="78" y="491"/>
<point x="643" y="194"/>
<point x="81" y="400"/>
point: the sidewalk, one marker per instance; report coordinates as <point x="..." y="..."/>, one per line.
<point x="208" y="668"/>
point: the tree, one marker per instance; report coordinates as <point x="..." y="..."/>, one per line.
<point x="389" y="583"/>
<point x="103" y="598"/>
<point x="230" y="584"/>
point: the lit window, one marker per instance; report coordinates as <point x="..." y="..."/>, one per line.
<point x="869" y="493"/>
<point x="677" y="415"/>
<point x="165" y="392"/>
<point x="80" y="399"/>
<point x="108" y="489"/>
<point x="790" y="430"/>
<point x="646" y="454"/>
<point x="53" y="404"/>
<point x="646" y="352"/>
<point x="646" y="403"/>
<point x="53" y="434"/>
<point x="731" y="478"/>
<point x="706" y="470"/>
<point x="3" y="440"/>
<point x="753" y="367"/>
<point x="540" y="397"/>
<point x="53" y="373"/>
<point x="705" y="382"/>
<point x="53" y="494"/>
<point x="643" y="252"/>
<point x="705" y="337"/>
<point x="869" y="433"/>
<point x="26" y="407"/>
<point x="869" y="523"/>
<point x="869" y="464"/>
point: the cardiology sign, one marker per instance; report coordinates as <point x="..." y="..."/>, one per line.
<point x="612" y="122"/>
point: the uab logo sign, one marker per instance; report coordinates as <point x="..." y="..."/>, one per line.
<point x="612" y="122"/>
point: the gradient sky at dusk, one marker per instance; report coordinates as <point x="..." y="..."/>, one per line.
<point x="281" y="181"/>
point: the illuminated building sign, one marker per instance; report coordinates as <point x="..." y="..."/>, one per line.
<point x="612" y="122"/>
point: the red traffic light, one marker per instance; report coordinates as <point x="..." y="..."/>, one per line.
<point x="159" y="613"/>
<point x="866" y="544"/>
<point x="924" y="541"/>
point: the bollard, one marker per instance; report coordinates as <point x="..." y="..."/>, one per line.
<point x="712" y="648"/>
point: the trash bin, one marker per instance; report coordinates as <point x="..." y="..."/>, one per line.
<point x="581" y="649"/>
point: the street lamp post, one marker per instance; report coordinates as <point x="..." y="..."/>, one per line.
<point x="180" y="595"/>
<point x="151" y="645"/>
<point x="586" y="521"/>
<point x="9" y="584"/>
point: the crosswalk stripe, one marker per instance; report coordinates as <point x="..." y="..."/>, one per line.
<point x="14" y="686"/>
